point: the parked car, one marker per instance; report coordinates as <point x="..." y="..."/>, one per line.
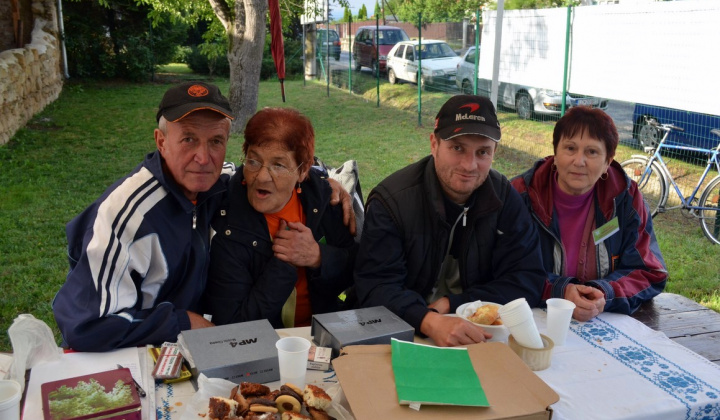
<point x="439" y="62"/>
<point x="328" y="38"/>
<point x="696" y="126"/>
<point x="526" y="100"/>
<point x="368" y="45"/>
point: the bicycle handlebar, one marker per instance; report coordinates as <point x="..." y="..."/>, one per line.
<point x="666" y="127"/>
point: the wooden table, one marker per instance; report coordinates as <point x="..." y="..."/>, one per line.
<point x="685" y="322"/>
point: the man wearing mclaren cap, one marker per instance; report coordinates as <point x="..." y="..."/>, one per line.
<point x="139" y="254"/>
<point x="449" y="229"/>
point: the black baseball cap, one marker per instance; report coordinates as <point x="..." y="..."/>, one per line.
<point x="188" y="97"/>
<point x="467" y="114"/>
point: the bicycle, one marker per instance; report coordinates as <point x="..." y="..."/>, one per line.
<point x="652" y="176"/>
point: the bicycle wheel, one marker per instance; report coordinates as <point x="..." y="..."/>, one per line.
<point x="653" y="184"/>
<point x="710" y="217"/>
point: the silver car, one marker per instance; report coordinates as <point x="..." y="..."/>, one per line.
<point x="526" y="100"/>
<point x="439" y="62"/>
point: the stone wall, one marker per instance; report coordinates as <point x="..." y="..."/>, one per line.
<point x="30" y="77"/>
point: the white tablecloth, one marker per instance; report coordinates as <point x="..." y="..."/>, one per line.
<point x="612" y="367"/>
<point x="615" y="367"/>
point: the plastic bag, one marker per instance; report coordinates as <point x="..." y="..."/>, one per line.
<point x="33" y="342"/>
<point x="348" y="175"/>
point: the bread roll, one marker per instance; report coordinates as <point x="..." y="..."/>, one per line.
<point x="485" y="315"/>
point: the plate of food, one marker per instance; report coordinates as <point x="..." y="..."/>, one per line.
<point x="485" y="314"/>
<point x="219" y="399"/>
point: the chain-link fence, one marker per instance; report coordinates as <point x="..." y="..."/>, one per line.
<point x="639" y="62"/>
<point x="363" y="56"/>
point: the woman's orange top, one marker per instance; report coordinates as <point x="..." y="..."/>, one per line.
<point x="293" y="212"/>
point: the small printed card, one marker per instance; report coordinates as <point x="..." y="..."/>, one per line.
<point x="435" y="375"/>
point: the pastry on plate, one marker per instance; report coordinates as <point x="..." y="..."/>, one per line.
<point x="316" y="397"/>
<point x="485" y="315"/>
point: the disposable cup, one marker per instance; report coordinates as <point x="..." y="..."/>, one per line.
<point x="518" y="318"/>
<point x="559" y="313"/>
<point x="10" y="393"/>
<point x="515" y="305"/>
<point x="292" y="357"/>
<point x="526" y="333"/>
<point x="515" y="312"/>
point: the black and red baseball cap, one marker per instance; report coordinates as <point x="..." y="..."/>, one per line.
<point x="467" y="115"/>
<point x="188" y="97"/>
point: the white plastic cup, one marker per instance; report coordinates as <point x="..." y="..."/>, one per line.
<point x="517" y="304"/>
<point x="527" y="334"/>
<point x="10" y="394"/>
<point x="559" y="313"/>
<point x="518" y="318"/>
<point x="515" y="312"/>
<point x="293" y="357"/>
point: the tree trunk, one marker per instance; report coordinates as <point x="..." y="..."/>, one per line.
<point x="247" y="38"/>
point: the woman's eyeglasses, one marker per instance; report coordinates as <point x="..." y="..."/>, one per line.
<point x="276" y="169"/>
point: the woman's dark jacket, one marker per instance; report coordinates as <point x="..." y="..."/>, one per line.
<point x="247" y="282"/>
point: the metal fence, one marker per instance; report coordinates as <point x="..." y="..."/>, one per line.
<point x="637" y="62"/>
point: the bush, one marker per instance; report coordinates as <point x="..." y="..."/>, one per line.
<point x="135" y="61"/>
<point x="293" y="60"/>
<point x="181" y="54"/>
<point x="117" y="41"/>
<point x="200" y="64"/>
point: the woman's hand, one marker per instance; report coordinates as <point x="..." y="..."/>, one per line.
<point x="294" y="243"/>
<point x="589" y="301"/>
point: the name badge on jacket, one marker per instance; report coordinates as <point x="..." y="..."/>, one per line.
<point x="607" y="230"/>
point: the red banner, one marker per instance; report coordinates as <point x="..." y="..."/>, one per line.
<point x="276" y="43"/>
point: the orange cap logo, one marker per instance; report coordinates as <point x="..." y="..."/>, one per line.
<point x="197" y="91"/>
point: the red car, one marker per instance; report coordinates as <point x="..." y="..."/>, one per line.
<point x="372" y="45"/>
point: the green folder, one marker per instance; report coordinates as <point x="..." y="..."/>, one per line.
<point x="435" y="375"/>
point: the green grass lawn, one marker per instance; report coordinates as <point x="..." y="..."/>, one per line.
<point x="95" y="133"/>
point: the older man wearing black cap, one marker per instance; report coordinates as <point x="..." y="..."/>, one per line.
<point x="139" y="254"/>
<point x="449" y="230"/>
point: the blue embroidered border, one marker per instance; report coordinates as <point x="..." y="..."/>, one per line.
<point x="666" y="375"/>
<point x="162" y="407"/>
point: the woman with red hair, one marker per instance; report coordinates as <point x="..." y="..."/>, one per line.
<point x="596" y="235"/>
<point x="281" y="251"/>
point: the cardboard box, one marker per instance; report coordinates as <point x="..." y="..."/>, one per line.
<point x="242" y="352"/>
<point x="513" y="390"/>
<point x="168" y="361"/>
<point x="185" y="373"/>
<point x="376" y="325"/>
<point x="319" y="358"/>
<point x="108" y="395"/>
